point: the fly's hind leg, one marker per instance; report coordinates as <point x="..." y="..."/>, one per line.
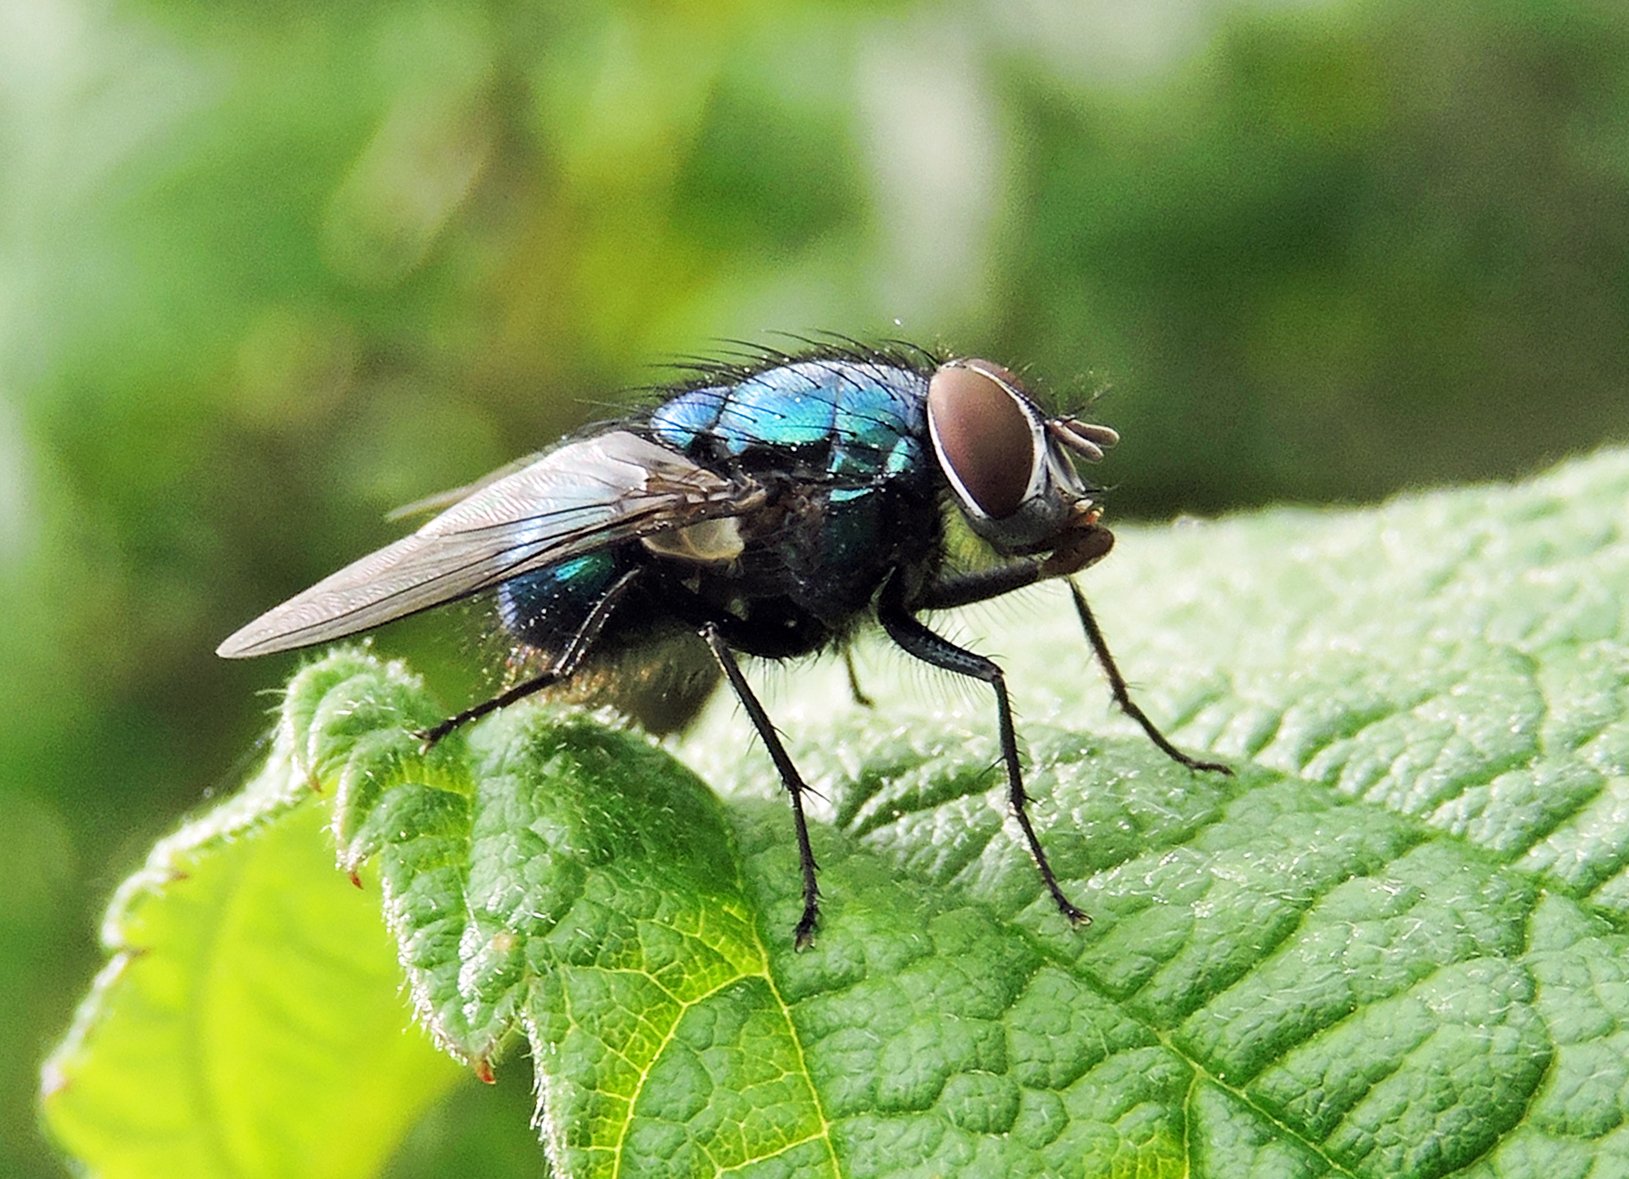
<point x="803" y="935"/>
<point x="561" y="669"/>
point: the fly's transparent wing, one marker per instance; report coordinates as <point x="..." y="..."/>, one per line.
<point x="572" y="500"/>
<point x="440" y="501"/>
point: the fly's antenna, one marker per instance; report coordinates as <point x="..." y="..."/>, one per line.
<point x="1084" y="438"/>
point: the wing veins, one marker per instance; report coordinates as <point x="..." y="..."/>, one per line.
<point x="627" y="486"/>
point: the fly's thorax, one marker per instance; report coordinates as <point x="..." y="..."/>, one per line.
<point x="1008" y="465"/>
<point x="813" y="558"/>
<point x="844" y="418"/>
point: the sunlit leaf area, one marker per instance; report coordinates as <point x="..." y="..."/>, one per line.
<point x="270" y="270"/>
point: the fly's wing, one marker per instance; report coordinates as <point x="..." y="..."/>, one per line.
<point x="572" y="500"/>
<point x="442" y="500"/>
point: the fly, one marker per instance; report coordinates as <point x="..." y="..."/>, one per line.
<point x="768" y="509"/>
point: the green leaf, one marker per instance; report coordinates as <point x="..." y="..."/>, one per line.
<point x="1392" y="946"/>
<point x="249" y="1022"/>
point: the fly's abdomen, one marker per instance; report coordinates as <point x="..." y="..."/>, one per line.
<point x="864" y="421"/>
<point x="546" y="607"/>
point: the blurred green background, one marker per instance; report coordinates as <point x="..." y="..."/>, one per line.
<point x="269" y="269"/>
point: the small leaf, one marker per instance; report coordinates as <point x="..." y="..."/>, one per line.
<point x="249" y="1022"/>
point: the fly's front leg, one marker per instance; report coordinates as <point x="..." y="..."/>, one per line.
<point x="1073" y="554"/>
<point x="803" y="935"/>
<point x="1122" y="694"/>
<point x="930" y="647"/>
<point x="561" y="669"/>
<point x="964" y="589"/>
<point x="967" y="588"/>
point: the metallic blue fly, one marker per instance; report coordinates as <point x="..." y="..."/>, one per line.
<point x="768" y="509"/>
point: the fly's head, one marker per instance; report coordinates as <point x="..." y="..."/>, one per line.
<point x="1011" y="468"/>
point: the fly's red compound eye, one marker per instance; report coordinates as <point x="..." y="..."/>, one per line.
<point x="988" y="440"/>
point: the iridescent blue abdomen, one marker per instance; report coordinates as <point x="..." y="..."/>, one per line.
<point x="547" y="605"/>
